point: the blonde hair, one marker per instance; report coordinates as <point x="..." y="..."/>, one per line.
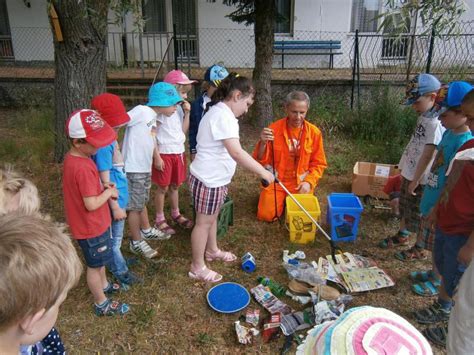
<point x="183" y="87"/>
<point x="13" y="186"/>
<point x="38" y="264"/>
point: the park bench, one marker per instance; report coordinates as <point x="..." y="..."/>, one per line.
<point x="330" y="48"/>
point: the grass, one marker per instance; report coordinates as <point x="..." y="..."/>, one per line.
<point x="169" y="311"/>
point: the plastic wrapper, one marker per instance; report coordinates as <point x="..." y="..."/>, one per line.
<point x="252" y="316"/>
<point x="330" y="310"/>
<point x="304" y="272"/>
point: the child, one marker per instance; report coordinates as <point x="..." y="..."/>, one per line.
<point x="212" y="78"/>
<point x="213" y="168"/>
<point x="138" y="149"/>
<point x="392" y="189"/>
<point x="457" y="133"/>
<point x="36" y="274"/>
<point x="86" y="204"/>
<point x="416" y="160"/>
<point x="169" y="165"/>
<point x="454" y="240"/>
<point x="109" y="162"/>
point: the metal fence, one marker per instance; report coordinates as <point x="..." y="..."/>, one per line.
<point x="305" y="55"/>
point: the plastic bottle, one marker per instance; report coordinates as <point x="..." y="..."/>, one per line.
<point x="274" y="287"/>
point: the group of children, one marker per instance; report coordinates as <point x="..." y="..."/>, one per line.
<point x="436" y="198"/>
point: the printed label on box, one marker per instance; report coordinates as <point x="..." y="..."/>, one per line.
<point x="383" y="171"/>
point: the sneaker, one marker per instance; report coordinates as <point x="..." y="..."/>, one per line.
<point x="154" y="234"/>
<point x="129" y="278"/>
<point x="111" y="308"/>
<point x="142" y="248"/>
<point x="433" y="314"/>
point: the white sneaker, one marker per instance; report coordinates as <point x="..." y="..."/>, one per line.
<point x="142" y="248"/>
<point x="154" y="234"/>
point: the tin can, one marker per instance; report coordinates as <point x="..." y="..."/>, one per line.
<point x="248" y="263"/>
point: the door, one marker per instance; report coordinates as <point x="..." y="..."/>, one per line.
<point x="6" y="47"/>
<point x="184" y="16"/>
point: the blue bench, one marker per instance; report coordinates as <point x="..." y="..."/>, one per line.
<point x="330" y="48"/>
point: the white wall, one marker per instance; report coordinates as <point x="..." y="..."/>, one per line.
<point x="31" y="35"/>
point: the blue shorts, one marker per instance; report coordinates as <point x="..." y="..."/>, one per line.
<point x="97" y="251"/>
<point x="446" y="249"/>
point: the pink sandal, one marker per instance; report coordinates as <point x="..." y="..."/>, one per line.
<point x="226" y="256"/>
<point x="206" y="275"/>
<point x="164" y="227"/>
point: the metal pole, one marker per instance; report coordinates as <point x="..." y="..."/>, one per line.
<point x="356" y="39"/>
<point x="430" y="50"/>
<point x="175" y="38"/>
<point x="412" y="44"/>
<point x="140" y="45"/>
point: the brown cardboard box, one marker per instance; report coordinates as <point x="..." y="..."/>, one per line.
<point x="370" y="178"/>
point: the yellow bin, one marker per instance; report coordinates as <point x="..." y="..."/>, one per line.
<point x="302" y="230"/>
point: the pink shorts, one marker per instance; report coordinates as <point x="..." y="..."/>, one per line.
<point x="174" y="173"/>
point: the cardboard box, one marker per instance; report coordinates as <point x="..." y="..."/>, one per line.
<point x="368" y="179"/>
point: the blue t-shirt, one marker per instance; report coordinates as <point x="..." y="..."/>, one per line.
<point x="447" y="148"/>
<point x="104" y="161"/>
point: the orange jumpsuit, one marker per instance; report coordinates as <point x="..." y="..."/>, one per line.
<point x="299" y="156"/>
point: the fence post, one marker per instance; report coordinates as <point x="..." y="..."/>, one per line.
<point x="430" y="50"/>
<point x="140" y="46"/>
<point x="354" y="65"/>
<point x="175" y="39"/>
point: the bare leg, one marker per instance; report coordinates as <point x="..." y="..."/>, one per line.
<point x="144" y="222"/>
<point x="134" y="221"/>
<point x="200" y="237"/>
<point x="94" y="282"/>
<point x="160" y="201"/>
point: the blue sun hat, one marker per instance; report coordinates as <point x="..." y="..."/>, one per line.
<point x="419" y="86"/>
<point x="163" y="95"/>
<point x="451" y="95"/>
<point x="215" y="74"/>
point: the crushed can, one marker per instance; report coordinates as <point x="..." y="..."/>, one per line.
<point x="248" y="263"/>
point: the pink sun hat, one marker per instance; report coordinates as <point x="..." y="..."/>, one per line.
<point x="178" y="77"/>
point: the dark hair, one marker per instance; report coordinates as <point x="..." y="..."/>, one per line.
<point x="77" y="140"/>
<point x="227" y="86"/>
<point x="469" y="98"/>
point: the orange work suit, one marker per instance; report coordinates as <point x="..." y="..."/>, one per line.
<point x="310" y="165"/>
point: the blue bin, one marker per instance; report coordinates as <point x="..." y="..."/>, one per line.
<point x="343" y="216"/>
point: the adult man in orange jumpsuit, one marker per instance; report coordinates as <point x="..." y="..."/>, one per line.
<point x="298" y="153"/>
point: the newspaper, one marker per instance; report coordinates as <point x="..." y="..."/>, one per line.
<point x="354" y="272"/>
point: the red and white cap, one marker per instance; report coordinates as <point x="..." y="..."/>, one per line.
<point x="178" y="77"/>
<point x="89" y="125"/>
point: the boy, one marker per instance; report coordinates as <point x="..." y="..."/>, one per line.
<point x="416" y="160"/>
<point x="451" y="229"/>
<point x="86" y="204"/>
<point x="36" y="274"/>
<point x="454" y="243"/>
<point x="109" y="162"/>
<point x="169" y="161"/>
<point x="138" y="149"/>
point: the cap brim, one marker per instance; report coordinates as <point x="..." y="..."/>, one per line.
<point x="103" y="137"/>
<point x="188" y="82"/>
<point x="120" y="120"/>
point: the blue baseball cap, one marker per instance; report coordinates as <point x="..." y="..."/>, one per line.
<point x="163" y="95"/>
<point x="215" y="74"/>
<point x="420" y="85"/>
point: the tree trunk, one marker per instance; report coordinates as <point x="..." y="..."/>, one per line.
<point x="265" y="12"/>
<point x="80" y="61"/>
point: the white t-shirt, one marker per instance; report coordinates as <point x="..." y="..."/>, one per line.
<point x="213" y="165"/>
<point x="428" y="131"/>
<point x="170" y="135"/>
<point x="461" y="321"/>
<point x="139" y="140"/>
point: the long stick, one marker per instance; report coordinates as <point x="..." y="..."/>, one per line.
<point x="275" y="217"/>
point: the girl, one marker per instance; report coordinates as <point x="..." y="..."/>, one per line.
<point x="212" y="170"/>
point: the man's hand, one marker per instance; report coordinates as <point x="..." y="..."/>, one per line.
<point x="159" y="164"/>
<point x="186" y="106"/>
<point x="466" y="253"/>
<point x="119" y="214"/>
<point x="266" y="135"/>
<point x="304" y="187"/>
<point x="412" y="187"/>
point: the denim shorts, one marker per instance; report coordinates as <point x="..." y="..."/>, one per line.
<point x="446" y="249"/>
<point x="97" y="251"/>
<point x="139" y="185"/>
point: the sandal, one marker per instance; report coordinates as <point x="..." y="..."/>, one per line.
<point x="427" y="288"/>
<point x="414" y="253"/>
<point x="183" y="222"/>
<point x="206" y="275"/>
<point x="433" y="314"/>
<point x="422" y="276"/>
<point x="401" y="238"/>
<point x="111" y="308"/>
<point x="437" y="335"/>
<point x="226" y="256"/>
<point x="164" y="227"/>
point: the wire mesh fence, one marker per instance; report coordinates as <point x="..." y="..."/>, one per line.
<point x="305" y="55"/>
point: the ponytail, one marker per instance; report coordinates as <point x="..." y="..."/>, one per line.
<point x="227" y="86"/>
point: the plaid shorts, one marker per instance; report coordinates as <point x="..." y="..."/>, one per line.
<point x="410" y="206"/>
<point x="425" y="236"/>
<point x="139" y="190"/>
<point x="206" y="200"/>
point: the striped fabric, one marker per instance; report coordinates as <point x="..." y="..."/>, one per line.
<point x="206" y="200"/>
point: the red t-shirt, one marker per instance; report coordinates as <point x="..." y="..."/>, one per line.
<point x="81" y="179"/>
<point x="457" y="215"/>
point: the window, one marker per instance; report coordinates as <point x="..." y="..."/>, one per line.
<point x="154" y="13"/>
<point x="364" y="13"/>
<point x="4" y="25"/>
<point x="285" y="12"/>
